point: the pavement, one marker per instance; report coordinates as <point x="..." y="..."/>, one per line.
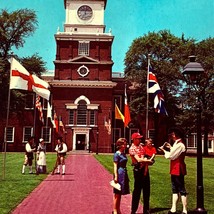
<point x="83" y="189"/>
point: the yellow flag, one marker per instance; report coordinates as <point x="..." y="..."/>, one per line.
<point x="118" y="114"/>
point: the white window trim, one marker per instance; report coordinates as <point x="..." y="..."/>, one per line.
<point x="13" y="132"/>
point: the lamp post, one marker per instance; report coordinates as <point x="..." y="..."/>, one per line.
<point x="192" y="73"/>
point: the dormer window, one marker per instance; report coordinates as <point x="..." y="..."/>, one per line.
<point x="83" y="48"/>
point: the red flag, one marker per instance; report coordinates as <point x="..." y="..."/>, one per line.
<point x="127" y="117"/>
<point x="56" y="122"/>
<point x="20" y="78"/>
<point x="39" y="107"/>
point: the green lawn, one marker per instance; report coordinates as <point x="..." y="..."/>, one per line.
<point x="160" y="200"/>
<point x="15" y="187"/>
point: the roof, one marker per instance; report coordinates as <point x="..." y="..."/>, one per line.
<point x="105" y="2"/>
<point x="82" y="84"/>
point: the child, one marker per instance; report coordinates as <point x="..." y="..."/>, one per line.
<point x="150" y="150"/>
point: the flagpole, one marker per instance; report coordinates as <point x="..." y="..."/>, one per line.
<point x="147" y="97"/>
<point x="114" y="129"/>
<point x="34" y="117"/>
<point x="5" y="133"/>
<point x="124" y="129"/>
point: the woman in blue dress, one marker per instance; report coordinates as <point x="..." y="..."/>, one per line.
<point x="120" y="173"/>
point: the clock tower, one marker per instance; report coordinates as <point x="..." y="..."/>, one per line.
<point x="82" y="86"/>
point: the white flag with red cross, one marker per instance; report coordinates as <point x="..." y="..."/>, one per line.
<point x="20" y="78"/>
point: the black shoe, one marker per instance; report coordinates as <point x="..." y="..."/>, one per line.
<point x="57" y="173"/>
<point x="63" y="173"/>
<point x="169" y="212"/>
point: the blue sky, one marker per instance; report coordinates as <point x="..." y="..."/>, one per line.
<point x="127" y="19"/>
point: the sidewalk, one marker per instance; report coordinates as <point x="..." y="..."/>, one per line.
<point x="83" y="189"/>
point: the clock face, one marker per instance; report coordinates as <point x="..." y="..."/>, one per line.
<point x="83" y="71"/>
<point x="84" y="12"/>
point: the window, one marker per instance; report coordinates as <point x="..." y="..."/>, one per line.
<point x="192" y="140"/>
<point x="71" y="117"/>
<point x="92" y="117"/>
<point x="82" y="113"/>
<point x="46" y="134"/>
<point x="151" y="134"/>
<point x="29" y="101"/>
<point x="118" y="101"/>
<point x="9" y="134"/>
<point x="83" y="48"/>
<point x="27" y="132"/>
<point x="116" y="134"/>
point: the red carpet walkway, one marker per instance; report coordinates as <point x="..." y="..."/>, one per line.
<point x="83" y="189"/>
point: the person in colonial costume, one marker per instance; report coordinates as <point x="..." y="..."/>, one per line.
<point x="41" y="156"/>
<point x="61" y="149"/>
<point x="29" y="149"/>
<point x="176" y="154"/>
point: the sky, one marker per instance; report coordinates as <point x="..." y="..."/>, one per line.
<point x="127" y="20"/>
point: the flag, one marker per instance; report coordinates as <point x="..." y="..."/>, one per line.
<point x="154" y="88"/>
<point x="61" y="125"/>
<point x="20" y="78"/>
<point x="39" y="107"/>
<point x="49" y="114"/>
<point x="118" y="114"/>
<point x="56" y="122"/>
<point x="108" y="124"/>
<point x="127" y="117"/>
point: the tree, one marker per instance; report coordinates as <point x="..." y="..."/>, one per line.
<point x="14" y="28"/>
<point x="167" y="54"/>
<point x="204" y="51"/>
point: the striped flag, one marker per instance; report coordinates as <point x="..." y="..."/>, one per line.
<point x="154" y="89"/>
<point x="20" y="78"/>
<point x="39" y="107"/>
<point x="107" y="124"/>
<point x="127" y="117"/>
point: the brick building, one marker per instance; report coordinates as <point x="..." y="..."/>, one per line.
<point x="83" y="88"/>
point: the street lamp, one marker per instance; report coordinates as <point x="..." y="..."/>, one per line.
<point x="192" y="73"/>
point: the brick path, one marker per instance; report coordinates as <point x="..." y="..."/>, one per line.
<point x="83" y="189"/>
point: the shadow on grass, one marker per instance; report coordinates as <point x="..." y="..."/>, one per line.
<point x="165" y="210"/>
<point x="162" y="209"/>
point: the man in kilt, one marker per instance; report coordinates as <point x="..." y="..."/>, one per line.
<point x="61" y="149"/>
<point x="29" y="149"/>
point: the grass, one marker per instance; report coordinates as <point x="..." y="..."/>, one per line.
<point x="160" y="199"/>
<point x="15" y="187"/>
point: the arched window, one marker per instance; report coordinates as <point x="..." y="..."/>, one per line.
<point x="82" y="113"/>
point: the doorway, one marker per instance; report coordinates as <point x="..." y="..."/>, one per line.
<point x="80" y="142"/>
